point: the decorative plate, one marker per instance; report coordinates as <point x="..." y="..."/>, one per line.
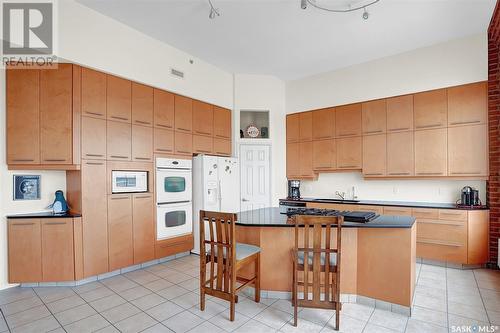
<point x="252" y="131"/>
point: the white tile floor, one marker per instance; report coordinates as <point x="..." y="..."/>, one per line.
<point x="164" y="298"/>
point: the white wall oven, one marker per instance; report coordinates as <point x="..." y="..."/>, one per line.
<point x="174" y="207"/>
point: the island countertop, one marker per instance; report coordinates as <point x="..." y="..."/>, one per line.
<point x="271" y="217"/>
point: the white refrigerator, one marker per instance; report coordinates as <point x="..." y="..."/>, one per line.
<point x="216" y="187"/>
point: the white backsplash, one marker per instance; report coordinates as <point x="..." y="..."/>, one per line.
<point x="440" y="191"/>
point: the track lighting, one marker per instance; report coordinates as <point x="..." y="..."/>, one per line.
<point x="366" y="15"/>
<point x="303" y="4"/>
<point x="356" y="5"/>
<point x="214" y="12"/>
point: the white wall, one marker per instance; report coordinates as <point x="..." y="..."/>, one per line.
<point x="265" y="93"/>
<point x="448" y="64"/>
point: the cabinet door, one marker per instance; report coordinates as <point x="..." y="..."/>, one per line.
<point x="118" y="141"/>
<point x="93" y="138"/>
<point x="25" y="250"/>
<point x="400" y="113"/>
<point x="374" y="117"/>
<point x="163" y="140"/>
<point x="23" y="119"/>
<point x="93" y="93"/>
<point x="119" y="99"/>
<point x="56" y="107"/>
<point x="292" y="160"/>
<point x="183" y="143"/>
<point x="163" y="109"/>
<point x="400" y="154"/>
<point x="305" y="126"/>
<point x="183" y="114"/>
<point x="203" y="118"/>
<point x="323" y="124"/>
<point x="468" y="151"/>
<point x="292" y="128"/>
<point x="203" y="144"/>
<point x="95" y="221"/>
<point x="143" y="227"/>
<point x="120" y="236"/>
<point x="468" y="104"/>
<point x="324" y="155"/>
<point x="142" y="143"/>
<point x="306" y="159"/>
<point x="58" y="262"/>
<point x="430" y="109"/>
<point x="222" y="123"/>
<point x="349" y="153"/>
<point x="348" y="120"/>
<point x="142" y="104"/>
<point x="431" y="149"/>
<point x="222" y="147"/>
<point x="375" y="155"/>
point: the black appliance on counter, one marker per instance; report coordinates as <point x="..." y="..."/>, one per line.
<point x="469" y="197"/>
<point x="294" y="189"/>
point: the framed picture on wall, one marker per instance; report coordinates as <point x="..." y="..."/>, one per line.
<point x="26" y="187"/>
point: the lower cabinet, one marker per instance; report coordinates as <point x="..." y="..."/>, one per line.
<point x="58" y="262"/>
<point x="170" y="246"/>
<point x="120" y="235"/>
<point x="25" y="256"/>
<point x="143" y="223"/>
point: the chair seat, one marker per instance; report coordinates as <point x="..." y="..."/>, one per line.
<point x="242" y="251"/>
<point x="300" y="259"/>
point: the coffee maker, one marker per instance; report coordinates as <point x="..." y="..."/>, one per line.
<point x="469" y="197"/>
<point x="294" y="189"/>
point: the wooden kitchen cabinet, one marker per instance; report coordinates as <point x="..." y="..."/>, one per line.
<point x="222" y="147"/>
<point x="95" y="217"/>
<point x="164" y="106"/>
<point x="397" y="211"/>
<point x="58" y="262"/>
<point x="374" y="117"/>
<point x="25" y="255"/>
<point x="118" y="141"/>
<point x="400" y="113"/>
<point x="143" y="227"/>
<point x="23" y="120"/>
<point x="222" y="123"/>
<point x="468" y="151"/>
<point x="349" y="153"/>
<point x="305" y="126"/>
<point x="203" y="144"/>
<point x="292" y="161"/>
<point x="120" y="231"/>
<point x="142" y="104"/>
<point x="468" y="104"/>
<point x="431" y="152"/>
<point x="306" y="159"/>
<point x="93" y="93"/>
<point x="292" y="128"/>
<point x="400" y="154"/>
<point x="163" y="140"/>
<point x="93" y="138"/>
<point x="203" y="118"/>
<point x="348" y="120"/>
<point x="375" y="155"/>
<point x="323" y="124"/>
<point x="324" y="155"/>
<point x="118" y="99"/>
<point x="183" y="143"/>
<point x="142" y="143"/>
<point x="430" y="109"/>
<point x="183" y="118"/>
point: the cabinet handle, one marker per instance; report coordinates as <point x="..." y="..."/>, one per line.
<point x="23" y="160"/>
<point x="118" y="156"/>
<point x="399" y="173"/>
<point x="348" y="166"/>
<point x="142" y="196"/>
<point x="373" y="132"/>
<point x="54" y="223"/>
<point x="222" y="136"/>
<point x="322" y="137"/>
<point x="143" y="158"/>
<point x="94" y="155"/>
<point x="161" y="149"/>
<point x="436" y="242"/>
<point x="451" y="214"/>
<point x="119" y="118"/>
<point x="119" y="198"/>
<point x="202" y="151"/>
<point x="54" y="160"/>
<point x="23" y="224"/>
<point x="399" y="129"/>
<point x="397" y="210"/>
<point x="429" y="173"/>
<point x="183" y="129"/>
<point x="142" y="122"/>
<point x="465" y="122"/>
<point x="94" y="163"/>
<point x="466" y="173"/>
<point x="204" y="133"/>
<point x="374" y="174"/>
<point x="161" y="125"/>
<point x="218" y="152"/>
<point x="347" y="134"/>
<point x="442" y="223"/>
<point x="429" y="126"/>
<point x="183" y="151"/>
<point x="94" y="113"/>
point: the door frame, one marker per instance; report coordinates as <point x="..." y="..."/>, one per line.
<point x="263" y="142"/>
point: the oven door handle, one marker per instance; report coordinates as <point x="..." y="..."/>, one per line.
<point x="161" y="204"/>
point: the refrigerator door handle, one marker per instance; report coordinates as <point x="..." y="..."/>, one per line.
<point x="220" y="195"/>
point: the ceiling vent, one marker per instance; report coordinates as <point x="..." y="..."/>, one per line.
<point x="177" y="73"/>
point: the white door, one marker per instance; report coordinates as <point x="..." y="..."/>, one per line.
<point x="255" y="171"/>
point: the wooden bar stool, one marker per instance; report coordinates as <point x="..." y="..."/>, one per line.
<point x="321" y="269"/>
<point x="224" y="258"/>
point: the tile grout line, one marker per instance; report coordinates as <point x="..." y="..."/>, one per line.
<point x="446" y="296"/>
<point x="5" y="319"/>
<point x="482" y="300"/>
<point x="45" y="304"/>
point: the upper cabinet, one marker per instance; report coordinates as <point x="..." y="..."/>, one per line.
<point x="374" y="117"/>
<point x="323" y="124"/>
<point x="468" y="104"/>
<point x="468" y="151"/>
<point x="183" y="114"/>
<point x="400" y="155"/>
<point x="118" y="99"/>
<point x="292" y="128"/>
<point x="222" y="123"/>
<point x="431" y="149"/>
<point x="374" y="155"/>
<point x="93" y="93"/>
<point x="430" y="109"/>
<point x="348" y="120"/>
<point x="164" y="105"/>
<point x="400" y="113"/>
<point x="305" y="126"/>
<point x="142" y="104"/>
<point x="203" y="118"/>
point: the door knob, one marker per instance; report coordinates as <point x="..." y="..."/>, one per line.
<point x="244" y="200"/>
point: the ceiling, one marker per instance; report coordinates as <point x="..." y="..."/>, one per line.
<point x="277" y="37"/>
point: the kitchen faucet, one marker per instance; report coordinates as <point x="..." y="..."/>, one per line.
<point x="341" y="195"/>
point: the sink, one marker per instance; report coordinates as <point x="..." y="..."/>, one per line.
<point x="338" y="201"/>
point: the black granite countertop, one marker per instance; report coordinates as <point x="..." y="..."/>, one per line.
<point x="43" y="215"/>
<point x="412" y="204"/>
<point x="271" y="217"/>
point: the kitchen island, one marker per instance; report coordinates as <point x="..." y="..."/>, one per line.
<point x="378" y="257"/>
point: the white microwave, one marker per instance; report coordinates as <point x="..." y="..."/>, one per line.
<point x="129" y="181"/>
